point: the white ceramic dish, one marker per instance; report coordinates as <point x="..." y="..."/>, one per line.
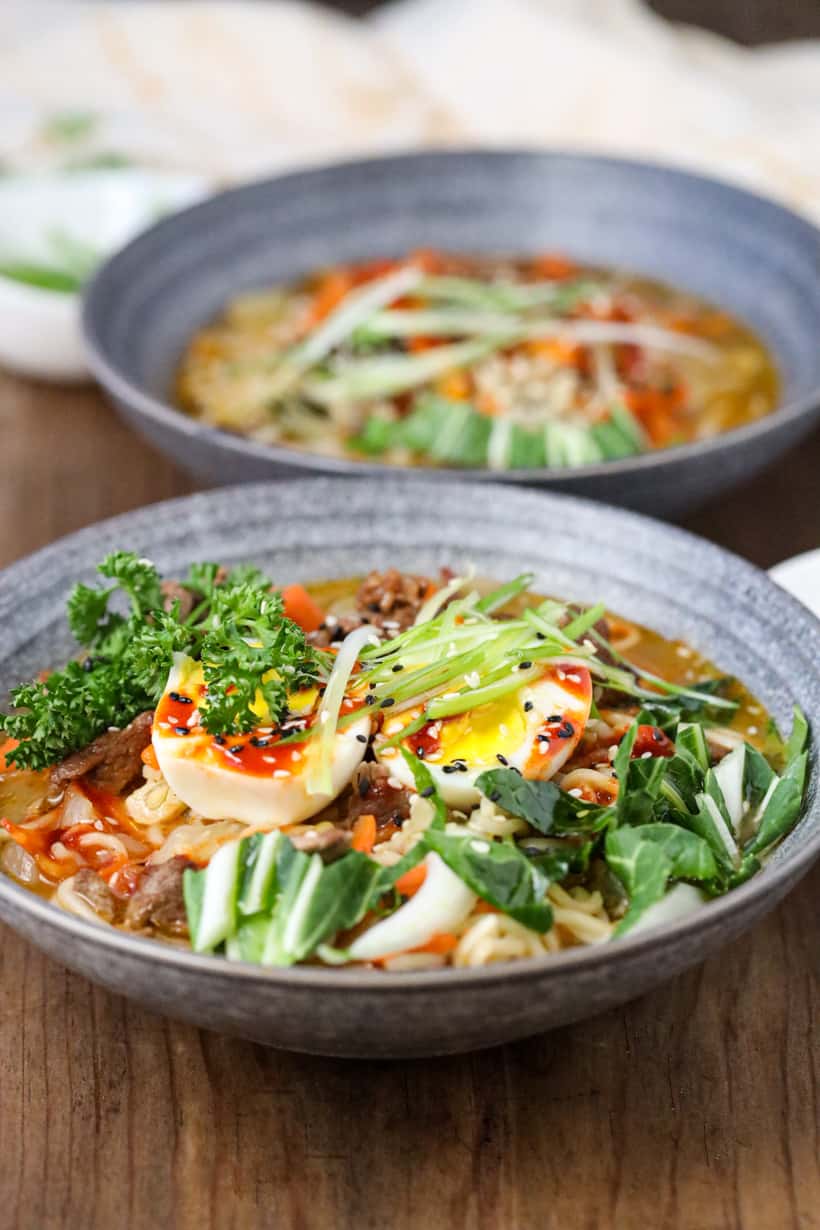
<point x="41" y="215"/>
<point x="800" y="575"/>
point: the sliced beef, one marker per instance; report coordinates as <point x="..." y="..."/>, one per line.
<point x="392" y="598"/>
<point x="374" y="794"/>
<point x="112" y="761"/>
<point x="96" y="893"/>
<point x="390" y="601"/>
<point x="330" y="843"/>
<point x="158" y="903"/>
<point x="175" y="591"/>
<point x="335" y="629"/>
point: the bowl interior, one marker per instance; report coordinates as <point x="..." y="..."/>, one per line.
<point x="746" y="254"/>
<point x="312" y="529"/>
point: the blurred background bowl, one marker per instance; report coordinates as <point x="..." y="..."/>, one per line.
<point x="748" y="255"/>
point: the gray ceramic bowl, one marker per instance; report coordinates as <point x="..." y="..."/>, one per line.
<point x="753" y="257"/>
<point x="331" y="527"/>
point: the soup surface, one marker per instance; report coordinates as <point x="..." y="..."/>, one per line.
<point x="399" y="771"/>
<point x="445" y="360"/>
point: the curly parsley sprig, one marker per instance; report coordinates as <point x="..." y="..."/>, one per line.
<point x="236" y="628"/>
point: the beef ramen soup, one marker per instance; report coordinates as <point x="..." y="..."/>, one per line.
<point x="401" y="771"/>
<point x="443" y="360"/>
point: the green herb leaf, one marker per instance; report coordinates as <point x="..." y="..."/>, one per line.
<point x="642" y="866"/>
<point x="499" y="873"/>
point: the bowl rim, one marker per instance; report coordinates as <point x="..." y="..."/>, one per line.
<point x="162" y="412"/>
<point x="303" y="977"/>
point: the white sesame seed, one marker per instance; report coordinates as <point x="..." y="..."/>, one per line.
<point x="751" y="730"/>
<point x="543" y="748"/>
<point x="480" y="847"/>
<point x="296" y="756"/>
<point x="577" y="792"/>
<point x="331" y="620"/>
<point x="683" y="652"/>
<point x="394" y="783"/>
<point x="473" y="679"/>
<point x="646" y="756"/>
<point x="561" y="674"/>
<point x="281" y="773"/>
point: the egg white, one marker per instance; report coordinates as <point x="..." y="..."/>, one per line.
<point x="198" y="773"/>
<point x="504" y="727"/>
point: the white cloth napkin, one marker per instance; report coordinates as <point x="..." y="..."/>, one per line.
<point x="236" y="89"/>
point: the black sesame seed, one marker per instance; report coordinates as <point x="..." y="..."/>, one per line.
<point x="387" y="702"/>
<point x="364" y="788"/>
<point x="427" y="792"/>
<point x="525" y="665"/>
<point x="236" y="749"/>
<point x="255" y="741"/>
<point x="501" y="759"/>
<point x="180" y="699"/>
<point x="220" y="739"/>
<point x="657" y="735"/>
<point x="398" y="667"/>
<point x="88" y="664"/>
<point x="420" y="752"/>
<point x="182" y="730"/>
<point x="554" y="717"/>
<point x="528" y="706"/>
<point x="494" y="796"/>
<point x="566" y="731"/>
<point x="449" y="768"/>
<point x="539" y="636"/>
<point x="370" y="699"/>
<point x="543" y="738"/>
<point x="361" y="738"/>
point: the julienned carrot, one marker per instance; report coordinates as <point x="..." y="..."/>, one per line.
<point x="301" y="608"/>
<point x="329" y="294"/>
<point x="412" y="880"/>
<point x="148" y="756"/>
<point x="484" y="907"/>
<point x="442" y="942"/>
<point x="364" y="833"/>
<point x="439" y="945"/>
<point x="6" y="746"/>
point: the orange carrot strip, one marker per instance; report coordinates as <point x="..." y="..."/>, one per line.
<point x="8" y="745"/>
<point x="364" y="833"/>
<point x="148" y="756"/>
<point x="412" y="880"/>
<point x="301" y="608"/>
<point x="441" y="943"/>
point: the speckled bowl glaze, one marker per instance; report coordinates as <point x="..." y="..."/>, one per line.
<point x="749" y="255"/>
<point x="332" y="527"/>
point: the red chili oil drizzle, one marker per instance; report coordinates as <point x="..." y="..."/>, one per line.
<point x="261" y="752"/>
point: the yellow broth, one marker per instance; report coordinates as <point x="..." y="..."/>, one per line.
<point x="228" y="373"/>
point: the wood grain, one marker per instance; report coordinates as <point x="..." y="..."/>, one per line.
<point x="695" y="1108"/>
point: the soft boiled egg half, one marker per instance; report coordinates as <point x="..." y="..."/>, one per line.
<point x="252" y="777"/>
<point x="534" y="729"/>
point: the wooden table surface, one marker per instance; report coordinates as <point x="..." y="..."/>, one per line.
<point x="694" y="1107"/>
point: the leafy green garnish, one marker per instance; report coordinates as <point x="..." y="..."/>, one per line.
<point x="43" y="277"/>
<point x="238" y="630"/>
<point x="499" y="873"/>
<point x="542" y="804"/>
<point x="304" y="902"/>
